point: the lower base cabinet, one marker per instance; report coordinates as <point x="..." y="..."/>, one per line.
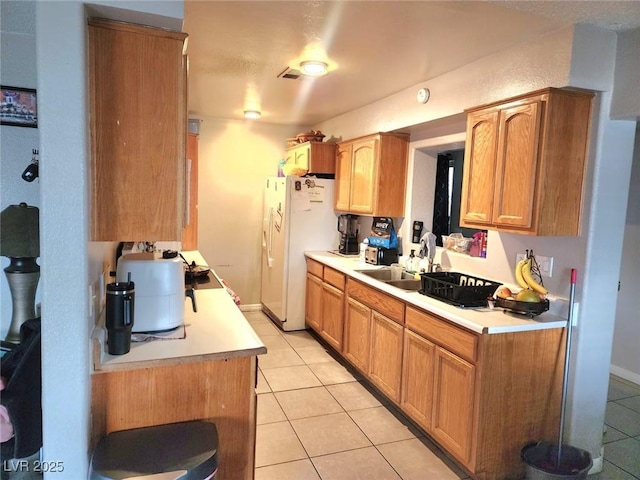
<point x="357" y="334"/>
<point x="386" y="355"/>
<point x="417" y="378"/>
<point x="453" y="395"/>
<point x="481" y="397"/>
<point x="324" y="305"/>
<point x="332" y="324"/>
<point x="218" y="391"/>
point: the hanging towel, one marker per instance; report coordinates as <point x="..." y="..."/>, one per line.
<point x="427" y="246"/>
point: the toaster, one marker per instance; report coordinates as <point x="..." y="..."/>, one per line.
<point x="159" y="290"/>
<point x="380" y="255"/>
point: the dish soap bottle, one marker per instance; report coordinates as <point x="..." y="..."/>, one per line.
<point x="412" y="262"/>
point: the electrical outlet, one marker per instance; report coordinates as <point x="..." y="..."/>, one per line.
<point x="545" y="265"/>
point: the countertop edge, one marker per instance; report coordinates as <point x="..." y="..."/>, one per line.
<point x="456" y="315"/>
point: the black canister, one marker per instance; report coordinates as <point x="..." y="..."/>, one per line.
<point x="119" y="316"/>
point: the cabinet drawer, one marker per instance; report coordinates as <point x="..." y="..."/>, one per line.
<point x="381" y="302"/>
<point x="314" y="268"/>
<point x="456" y="340"/>
<point x="333" y="277"/>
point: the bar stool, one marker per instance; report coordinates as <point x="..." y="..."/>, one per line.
<point x="185" y="451"/>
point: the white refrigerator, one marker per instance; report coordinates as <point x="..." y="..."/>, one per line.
<point x="298" y="217"/>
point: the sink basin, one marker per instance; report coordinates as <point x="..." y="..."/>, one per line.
<point x="406" y="282"/>
<point x="384" y="274"/>
<point x="411" y="285"/>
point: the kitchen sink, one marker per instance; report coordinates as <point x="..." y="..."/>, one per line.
<point x="406" y="281"/>
<point x="411" y="285"/>
<point x="384" y="274"/>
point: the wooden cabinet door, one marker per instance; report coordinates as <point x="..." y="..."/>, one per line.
<point x="343" y="177"/>
<point x="364" y="176"/>
<point x="417" y="378"/>
<point x="478" y="179"/>
<point x="385" y="367"/>
<point x="138" y="131"/>
<point x="190" y="232"/>
<point x="313" y="305"/>
<point x="516" y="165"/>
<point x="332" y="325"/>
<point x="453" y="395"/>
<point x="357" y="334"/>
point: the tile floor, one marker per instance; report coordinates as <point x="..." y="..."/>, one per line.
<point x="317" y="420"/>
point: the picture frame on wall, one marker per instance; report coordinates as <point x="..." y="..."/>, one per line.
<point x="18" y="107"/>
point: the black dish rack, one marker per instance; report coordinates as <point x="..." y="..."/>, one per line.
<point x="458" y="289"/>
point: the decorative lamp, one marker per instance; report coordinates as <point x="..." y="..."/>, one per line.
<point x="313" y="68"/>
<point x="20" y="242"/>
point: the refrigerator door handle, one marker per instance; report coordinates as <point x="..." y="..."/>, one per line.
<point x="267" y="237"/>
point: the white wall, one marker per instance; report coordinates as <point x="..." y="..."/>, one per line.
<point x="18" y="52"/>
<point x="626" y="100"/>
<point x="625" y="358"/>
<point x="234" y="158"/>
<point x="70" y="262"/>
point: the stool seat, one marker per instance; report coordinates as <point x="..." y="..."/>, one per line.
<point x="188" y="449"/>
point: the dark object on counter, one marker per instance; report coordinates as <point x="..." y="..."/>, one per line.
<point x="458" y="289"/>
<point x="530" y="309"/>
<point x="190" y="448"/>
<point x="119" y="316"/>
<point x="21" y="368"/>
<point x="348" y="228"/>
<point x="380" y="255"/>
<point x="542" y="462"/>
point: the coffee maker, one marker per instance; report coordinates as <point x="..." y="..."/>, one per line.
<point x="348" y="228"/>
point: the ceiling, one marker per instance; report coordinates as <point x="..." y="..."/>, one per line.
<point x="374" y="49"/>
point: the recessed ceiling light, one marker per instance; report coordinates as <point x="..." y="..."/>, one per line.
<point x="252" y="114"/>
<point x="313" y="68"/>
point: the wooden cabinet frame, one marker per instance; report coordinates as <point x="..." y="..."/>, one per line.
<point x="525" y="161"/>
<point x="137" y="140"/>
<point x="371" y="175"/>
<point x="482" y="397"/>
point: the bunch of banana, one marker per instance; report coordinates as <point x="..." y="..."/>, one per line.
<point x="525" y="278"/>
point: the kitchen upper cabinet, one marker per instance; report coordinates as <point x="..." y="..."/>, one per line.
<point x="371" y="175"/>
<point x="138" y="131"/>
<point x="525" y="162"/>
<point x="315" y="157"/>
<point x="190" y="232"/>
<point x="343" y="176"/>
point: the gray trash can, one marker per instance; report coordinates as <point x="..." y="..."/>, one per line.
<point x="188" y="449"/>
<point x="541" y="461"/>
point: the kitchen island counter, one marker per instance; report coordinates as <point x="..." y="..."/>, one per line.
<point x="217" y="331"/>
<point x="480" y="320"/>
<point x="209" y="375"/>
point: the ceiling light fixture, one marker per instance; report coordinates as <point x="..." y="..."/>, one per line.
<point x="313" y="68"/>
<point x="252" y="114"/>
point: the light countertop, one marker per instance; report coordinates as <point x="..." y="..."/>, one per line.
<point x="217" y="331"/>
<point x="481" y="320"/>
